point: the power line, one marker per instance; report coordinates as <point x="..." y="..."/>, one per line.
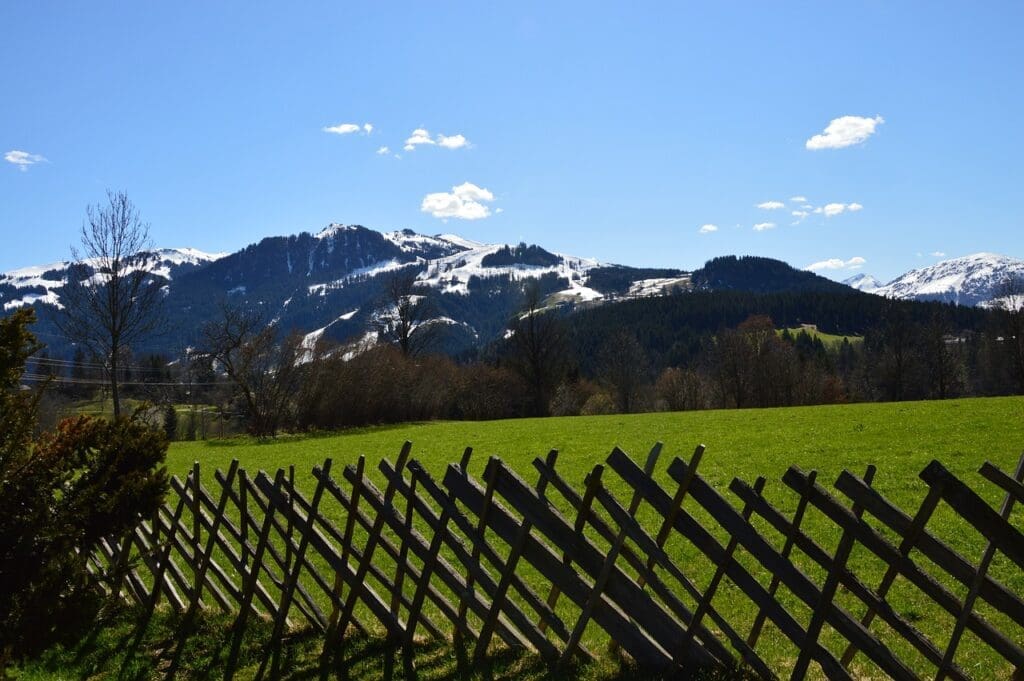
<point x="37" y="378"/>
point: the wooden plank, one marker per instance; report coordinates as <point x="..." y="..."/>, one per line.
<point x="1012" y="486"/>
<point x="704" y="601"/>
<point x="787" y="549"/>
<point x="393" y="624"/>
<point x="828" y="591"/>
<point x="634" y="502"/>
<point x="972" y="595"/>
<point x="686" y="525"/>
<point x="202" y="564"/>
<point x="249" y="588"/>
<point x="292" y="575"/>
<point x="633" y="640"/>
<point x="498" y="598"/>
<point x="972" y="508"/>
<point x="429" y="561"/>
<point x="162" y="582"/>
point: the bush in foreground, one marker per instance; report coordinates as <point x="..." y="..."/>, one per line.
<point x="60" y="495"/>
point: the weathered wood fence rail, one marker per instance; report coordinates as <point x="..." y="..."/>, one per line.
<point x="538" y="566"/>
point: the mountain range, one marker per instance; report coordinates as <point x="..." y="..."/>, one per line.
<point x="334" y="283"/>
<point x="971" y="280"/>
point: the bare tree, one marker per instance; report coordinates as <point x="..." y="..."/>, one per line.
<point x="111" y="300"/>
<point x="623" y="369"/>
<point x="407" y="323"/>
<point x="538" y="344"/>
<point x="267" y="372"/>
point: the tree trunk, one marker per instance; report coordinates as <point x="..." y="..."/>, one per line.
<point x="114" y="395"/>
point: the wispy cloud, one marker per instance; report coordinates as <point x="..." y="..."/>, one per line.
<point x="854" y="263"/>
<point x="23" y="159"/>
<point x="798" y="199"/>
<point x="771" y="205"/>
<point x="708" y="229"/>
<point x="465" y="202"/>
<point x="349" y="128"/>
<point x="937" y="254"/>
<point x="421" y="137"/>
<point x="764" y="226"/>
<point x="845" y="131"/>
<point x="383" y="151"/>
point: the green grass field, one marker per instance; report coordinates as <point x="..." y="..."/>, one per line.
<point x="900" y="438"/>
<point x="830" y="340"/>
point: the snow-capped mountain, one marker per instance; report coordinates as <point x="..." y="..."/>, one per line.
<point x="42" y="284"/>
<point x="863" y="282"/>
<point x="970" y="280"/>
<point x="334" y="284"/>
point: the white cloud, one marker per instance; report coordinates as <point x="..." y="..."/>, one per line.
<point x="854" y="263"/>
<point x="23" y="159"/>
<point x="798" y="199"/>
<point x="708" y="229"/>
<point x="465" y="202"/>
<point x="845" y="131"/>
<point x="349" y="128"/>
<point x="771" y="205"/>
<point x="833" y="209"/>
<point x="383" y="151"/>
<point x="937" y="254"/>
<point x="854" y="207"/>
<point x="764" y="226"/>
<point x="453" y="142"/>
<point x="421" y="136"/>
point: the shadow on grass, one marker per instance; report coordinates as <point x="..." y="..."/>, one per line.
<point x="123" y="645"/>
<point x="250" y="441"/>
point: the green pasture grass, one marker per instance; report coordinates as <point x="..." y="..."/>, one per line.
<point x="899" y="438"/>
<point x="829" y="339"/>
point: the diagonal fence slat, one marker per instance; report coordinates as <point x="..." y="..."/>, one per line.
<point x="500" y="558"/>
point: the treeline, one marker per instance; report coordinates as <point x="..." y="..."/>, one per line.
<point x="691" y="351"/>
<point x="697" y="350"/>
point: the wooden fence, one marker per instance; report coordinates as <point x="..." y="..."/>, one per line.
<point x="545" y="566"/>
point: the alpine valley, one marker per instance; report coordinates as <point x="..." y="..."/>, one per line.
<point x="333" y="284"/>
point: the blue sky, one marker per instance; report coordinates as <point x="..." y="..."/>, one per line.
<point x="612" y="131"/>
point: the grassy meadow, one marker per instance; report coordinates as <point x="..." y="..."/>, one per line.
<point x="899" y="438"/>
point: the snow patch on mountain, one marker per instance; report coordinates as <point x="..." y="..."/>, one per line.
<point x="645" y="288"/>
<point x="451" y="274"/>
